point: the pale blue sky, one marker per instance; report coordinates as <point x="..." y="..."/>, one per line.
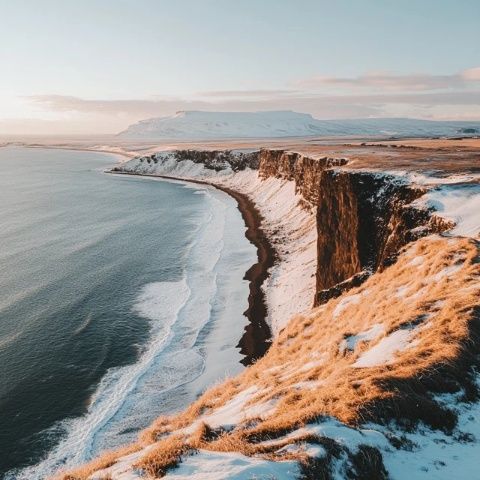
<point x="122" y="60"/>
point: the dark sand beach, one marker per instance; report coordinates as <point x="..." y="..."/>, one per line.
<point x="257" y="336"/>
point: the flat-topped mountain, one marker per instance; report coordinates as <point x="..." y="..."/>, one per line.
<point x="277" y="124"/>
<point x="197" y="124"/>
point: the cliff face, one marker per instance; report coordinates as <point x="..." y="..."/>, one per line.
<point x="220" y="159"/>
<point x="215" y="160"/>
<point x="306" y="172"/>
<point x="363" y="219"/>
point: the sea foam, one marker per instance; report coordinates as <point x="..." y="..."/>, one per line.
<point x="162" y="302"/>
<point x="179" y="312"/>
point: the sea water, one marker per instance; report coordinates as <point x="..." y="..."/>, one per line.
<point x="121" y="299"/>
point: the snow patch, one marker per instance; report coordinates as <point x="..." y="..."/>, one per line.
<point x="345" y="302"/>
<point x="384" y="351"/>
<point x="458" y="203"/>
<point x="235" y="410"/>
<point x="416" y="261"/>
<point x="350" y="342"/>
<point x="402" y="291"/>
<point x="207" y="465"/>
<point x="122" y="469"/>
<point x="447" y="272"/>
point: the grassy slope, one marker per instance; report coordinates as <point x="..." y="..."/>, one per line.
<point x="428" y="299"/>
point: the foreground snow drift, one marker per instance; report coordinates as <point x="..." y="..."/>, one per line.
<point x="460" y="203"/>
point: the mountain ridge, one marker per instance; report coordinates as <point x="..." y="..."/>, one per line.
<point x="197" y="124"/>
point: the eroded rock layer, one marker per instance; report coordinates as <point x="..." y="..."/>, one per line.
<point x="377" y="383"/>
<point x="362" y="218"/>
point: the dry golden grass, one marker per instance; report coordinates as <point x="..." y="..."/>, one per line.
<point x="309" y="375"/>
<point x="166" y="454"/>
<point x="106" y="460"/>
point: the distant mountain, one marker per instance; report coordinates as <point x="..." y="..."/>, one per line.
<point x="218" y="125"/>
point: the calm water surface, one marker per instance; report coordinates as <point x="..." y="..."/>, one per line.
<point x="120" y="299"/>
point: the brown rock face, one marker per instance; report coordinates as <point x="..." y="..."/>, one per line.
<point x="306" y="172"/>
<point x="363" y="219"/>
<point x="338" y="250"/>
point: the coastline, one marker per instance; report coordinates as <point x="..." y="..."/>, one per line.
<point x="256" y="338"/>
<point x="111" y="151"/>
<point x="253" y="225"/>
<point x="205" y="343"/>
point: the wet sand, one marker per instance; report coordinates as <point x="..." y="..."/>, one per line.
<point x="256" y="338"/>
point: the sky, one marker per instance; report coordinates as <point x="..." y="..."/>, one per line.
<point x="96" y="66"/>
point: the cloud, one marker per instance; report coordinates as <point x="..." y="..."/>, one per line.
<point x="18" y="128"/>
<point x="392" y="82"/>
<point x="246" y="93"/>
<point x="104" y="116"/>
<point x="272" y="101"/>
<point x="472" y="74"/>
<point x="63" y="103"/>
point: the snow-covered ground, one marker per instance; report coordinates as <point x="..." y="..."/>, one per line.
<point x="424" y="454"/>
<point x="291" y="227"/>
<point x="459" y="202"/>
<point x="418" y="454"/>
<point x="276" y="124"/>
<point x="454" y="197"/>
<point x="207" y="465"/>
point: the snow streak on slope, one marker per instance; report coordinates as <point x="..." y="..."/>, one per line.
<point x="270" y="124"/>
<point x="290" y="227"/>
<point x="344" y="425"/>
<point x="459" y="203"/>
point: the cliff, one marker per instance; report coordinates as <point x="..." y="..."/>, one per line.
<point x="362" y="219"/>
<point x="380" y="379"/>
<point x="306" y="172"/>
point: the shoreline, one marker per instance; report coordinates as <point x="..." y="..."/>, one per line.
<point x="109" y="151"/>
<point x="256" y="338"/>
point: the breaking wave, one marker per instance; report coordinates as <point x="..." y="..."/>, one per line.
<point x="178" y="312"/>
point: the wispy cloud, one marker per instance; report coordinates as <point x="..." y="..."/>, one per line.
<point x="64" y="103"/>
<point x="371" y="95"/>
<point x="472" y="74"/>
<point x="247" y="93"/>
<point x="309" y="101"/>
<point x="389" y="81"/>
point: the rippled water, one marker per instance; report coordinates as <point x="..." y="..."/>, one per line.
<point x="121" y="299"/>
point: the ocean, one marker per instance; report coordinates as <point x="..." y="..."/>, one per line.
<point x="121" y="299"/>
